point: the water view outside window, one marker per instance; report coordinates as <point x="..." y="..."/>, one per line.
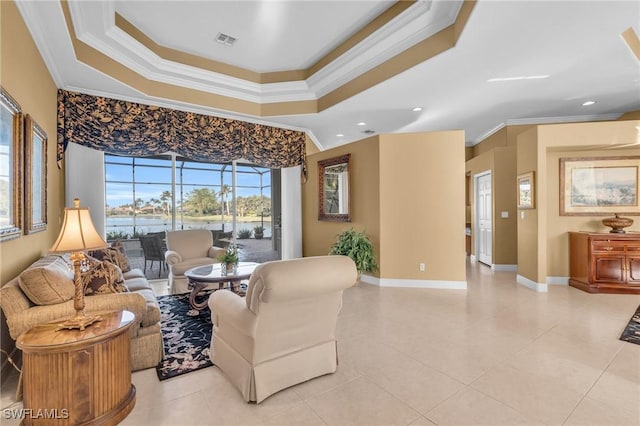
<point x="141" y="198"/>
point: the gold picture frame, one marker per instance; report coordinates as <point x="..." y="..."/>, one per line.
<point x="526" y="191"/>
<point x="599" y="186"/>
<point x="10" y="167"/>
<point x="35" y="178"/>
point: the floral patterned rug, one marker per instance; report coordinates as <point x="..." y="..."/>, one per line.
<point x="632" y="332"/>
<point x="186" y="338"/>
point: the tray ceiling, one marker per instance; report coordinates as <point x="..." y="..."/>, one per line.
<point x="325" y="66"/>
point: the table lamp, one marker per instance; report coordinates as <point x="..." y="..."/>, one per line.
<point x="78" y="234"/>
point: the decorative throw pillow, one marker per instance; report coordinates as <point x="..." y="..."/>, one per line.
<point x="114" y="254"/>
<point x="103" y="277"/>
<point x="121" y="255"/>
<point x="48" y="281"/>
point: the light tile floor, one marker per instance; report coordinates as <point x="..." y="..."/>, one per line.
<point x="495" y="354"/>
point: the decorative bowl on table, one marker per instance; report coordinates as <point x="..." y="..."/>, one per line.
<point x="617" y="223"/>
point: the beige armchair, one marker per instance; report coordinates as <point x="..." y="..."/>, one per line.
<point x="283" y="332"/>
<point x="186" y="250"/>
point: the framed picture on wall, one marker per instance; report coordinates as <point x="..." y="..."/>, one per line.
<point x="10" y="167"/>
<point x="526" y="191"/>
<point x="35" y="179"/>
<point x="599" y="186"/>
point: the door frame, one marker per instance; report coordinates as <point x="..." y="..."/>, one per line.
<point x="476" y="219"/>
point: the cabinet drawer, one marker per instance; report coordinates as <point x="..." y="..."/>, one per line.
<point x="608" y="246"/>
<point x="633" y="248"/>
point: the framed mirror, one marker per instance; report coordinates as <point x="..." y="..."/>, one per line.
<point x="10" y="167"/>
<point x="35" y="179"/>
<point x="333" y="190"/>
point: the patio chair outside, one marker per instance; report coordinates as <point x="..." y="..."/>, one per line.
<point x="152" y="247"/>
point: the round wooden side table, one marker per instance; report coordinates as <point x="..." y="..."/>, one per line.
<point x="78" y="377"/>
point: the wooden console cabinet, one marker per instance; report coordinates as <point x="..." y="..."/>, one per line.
<point x="605" y="263"/>
<point x="78" y="377"/>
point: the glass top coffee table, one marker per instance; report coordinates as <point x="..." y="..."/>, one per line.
<point x="202" y="277"/>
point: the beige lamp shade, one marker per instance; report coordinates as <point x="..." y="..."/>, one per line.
<point x="78" y="232"/>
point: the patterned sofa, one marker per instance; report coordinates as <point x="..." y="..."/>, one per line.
<point x="44" y="292"/>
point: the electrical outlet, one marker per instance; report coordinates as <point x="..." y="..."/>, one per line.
<point x="422" y="267"/>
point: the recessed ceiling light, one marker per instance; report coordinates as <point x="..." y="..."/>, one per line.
<point x="417" y="109"/>
<point x="588" y="103"/>
<point x="521" y="77"/>
<point x="368" y="132"/>
<point x="362" y="123"/>
<point x="340" y="135"/>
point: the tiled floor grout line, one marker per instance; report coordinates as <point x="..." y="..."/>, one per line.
<point x="530" y="329"/>
<point x="305" y="401"/>
<point x="604" y="370"/>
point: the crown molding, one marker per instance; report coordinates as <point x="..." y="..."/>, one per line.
<point x="545" y="120"/>
<point x="95" y="26"/>
<point x="565" y="119"/>
<point x="486" y="135"/>
<point x="396" y="36"/>
<point x="30" y="12"/>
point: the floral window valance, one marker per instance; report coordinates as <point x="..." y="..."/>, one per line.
<point x="128" y="128"/>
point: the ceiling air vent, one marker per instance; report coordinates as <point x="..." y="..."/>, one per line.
<point x="368" y="132"/>
<point x="225" y="39"/>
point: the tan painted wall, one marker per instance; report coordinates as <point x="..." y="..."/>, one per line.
<point x="24" y="75"/>
<point x="505" y="230"/>
<point x="577" y="140"/>
<point x="498" y="139"/>
<point x="528" y="225"/>
<point x="505" y="137"/>
<point x="501" y="161"/>
<point x="631" y="115"/>
<point x="497" y="153"/>
<point x="407" y="192"/>
<point x="558" y="226"/>
<point x="468" y="153"/>
<point x="542" y="234"/>
<point x="318" y="236"/>
<point x="421" y="205"/>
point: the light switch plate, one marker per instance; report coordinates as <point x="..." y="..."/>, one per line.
<point x="504" y="215"/>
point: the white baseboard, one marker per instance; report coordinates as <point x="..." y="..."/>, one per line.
<point x="399" y="282"/>
<point x="539" y="287"/>
<point x="558" y="280"/>
<point x="504" y="268"/>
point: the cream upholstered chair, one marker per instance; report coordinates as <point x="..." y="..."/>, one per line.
<point x="283" y="332"/>
<point x="186" y="250"/>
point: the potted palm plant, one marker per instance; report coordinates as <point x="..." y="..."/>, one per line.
<point x="358" y="247"/>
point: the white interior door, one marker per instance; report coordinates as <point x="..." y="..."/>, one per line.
<point x="484" y="216"/>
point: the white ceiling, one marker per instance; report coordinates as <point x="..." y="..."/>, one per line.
<point x="270" y="35"/>
<point x="576" y="43"/>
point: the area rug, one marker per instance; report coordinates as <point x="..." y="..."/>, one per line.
<point x="631" y="332"/>
<point x="186" y="338"/>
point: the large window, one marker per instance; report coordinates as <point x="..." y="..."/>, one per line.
<point x="143" y="196"/>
